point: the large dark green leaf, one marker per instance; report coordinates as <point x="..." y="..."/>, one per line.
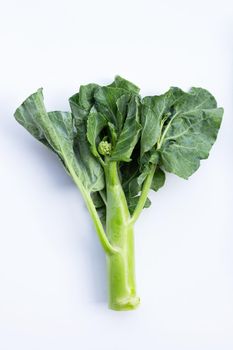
<point x="54" y="128"/>
<point x="195" y="99"/>
<point x="95" y="123"/>
<point x="57" y="130"/>
<point x="93" y="171"/>
<point x="130" y="132"/>
<point x="122" y="83"/>
<point x="106" y="103"/>
<point x="26" y="115"/>
<point x="86" y="95"/>
<point x="190" y="133"/>
<point x="122" y="110"/>
<point x="29" y="116"/>
<point x="154" y="112"/>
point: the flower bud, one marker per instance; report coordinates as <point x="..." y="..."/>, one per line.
<point x="105" y="148"/>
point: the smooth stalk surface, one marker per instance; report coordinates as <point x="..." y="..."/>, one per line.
<point x="121" y="274"/>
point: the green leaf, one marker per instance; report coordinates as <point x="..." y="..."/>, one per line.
<point x="93" y="172"/>
<point x="135" y="184"/>
<point x="26" y="115"/>
<point x="95" y="123"/>
<point x="158" y="179"/>
<point x="125" y="84"/>
<point x="97" y="200"/>
<point x="129" y="170"/>
<point x="195" y="99"/>
<point x="129" y="134"/>
<point x="102" y="215"/>
<point x="100" y="206"/>
<point x="59" y="131"/>
<point x="190" y="133"/>
<point x="154" y="112"/>
<point x="54" y="129"/>
<point x="132" y="203"/>
<point x="86" y="95"/>
<point x="122" y="109"/>
<point x="113" y="134"/>
<point x="106" y="103"/>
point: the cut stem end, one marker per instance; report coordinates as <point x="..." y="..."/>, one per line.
<point x="125" y="304"/>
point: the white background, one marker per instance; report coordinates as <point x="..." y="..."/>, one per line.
<point x="52" y="268"/>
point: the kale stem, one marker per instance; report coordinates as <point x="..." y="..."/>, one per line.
<point x="120" y="266"/>
<point x="144" y="193"/>
<point x="107" y="246"/>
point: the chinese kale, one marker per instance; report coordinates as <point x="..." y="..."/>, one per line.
<point x="117" y="146"/>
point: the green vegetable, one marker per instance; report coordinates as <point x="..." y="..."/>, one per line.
<point x="117" y="146"/>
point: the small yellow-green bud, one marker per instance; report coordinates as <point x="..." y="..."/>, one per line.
<point x="105" y="148"/>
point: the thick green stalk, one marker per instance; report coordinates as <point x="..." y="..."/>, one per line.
<point x="121" y="274"/>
